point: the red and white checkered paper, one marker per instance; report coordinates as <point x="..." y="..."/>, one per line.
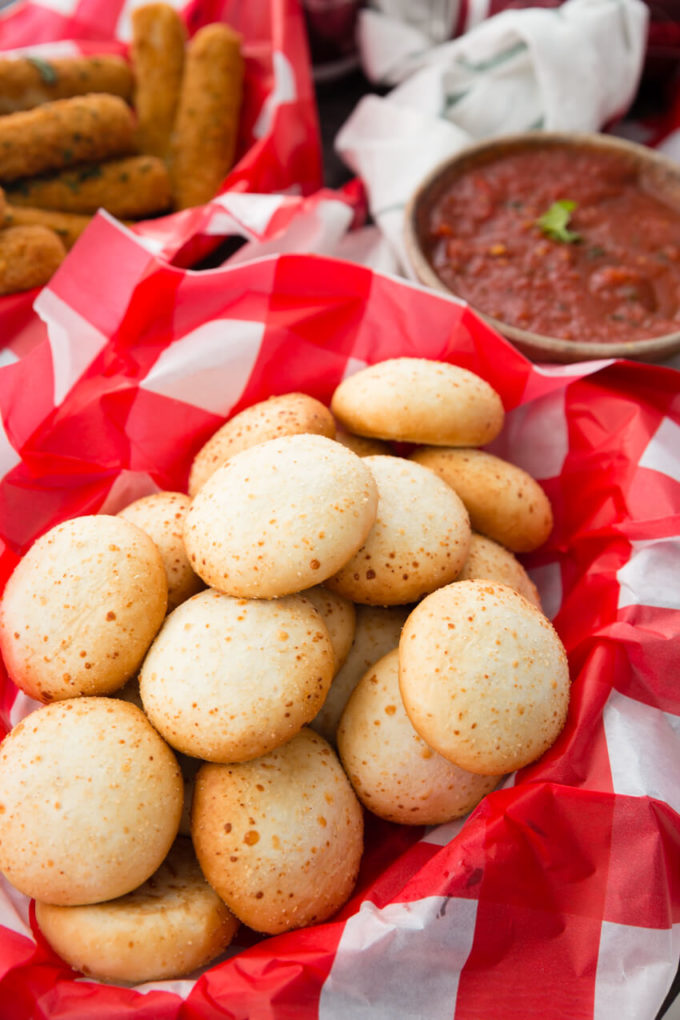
<point x="559" y="896"/>
<point x="279" y="146"/>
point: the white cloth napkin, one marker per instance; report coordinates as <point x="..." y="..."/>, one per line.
<point x="571" y="68"/>
<point x="394" y="36"/>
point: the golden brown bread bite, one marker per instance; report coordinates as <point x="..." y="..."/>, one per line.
<point x="488" y="560"/>
<point x="504" y="502"/>
<point x="339" y="616"/>
<point x="483" y="676"/>
<point x="29" y="255"/>
<point x="416" y="400"/>
<point x="362" y="445"/>
<point x="81" y="608"/>
<point x="157" y="55"/>
<point x="393" y="771"/>
<point x="280" y="838"/>
<point x="129" y="188"/>
<point x="206" y="127"/>
<point x="377" y="632"/>
<point x="419" y="540"/>
<point x="28" y="81"/>
<point x="63" y="133"/>
<point x="228" y="679"/>
<point x="91" y="799"/>
<point x="171" y="925"/>
<point x="280" y="517"/>
<point x="287" y="415"/>
<point x="161" y="515"/>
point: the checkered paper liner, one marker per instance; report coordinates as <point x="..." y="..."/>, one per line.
<point x="560" y="894"/>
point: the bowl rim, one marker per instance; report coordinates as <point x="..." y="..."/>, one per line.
<point x="538" y="344"/>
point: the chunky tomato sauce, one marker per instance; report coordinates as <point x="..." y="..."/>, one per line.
<point x="617" y="279"/>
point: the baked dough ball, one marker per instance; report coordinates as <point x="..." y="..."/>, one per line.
<point x="487" y="560"/>
<point x="287" y="415"/>
<point x="81" y="608"/>
<point x="393" y="771"/>
<point x="161" y="516"/>
<point x="377" y="632"/>
<point x="229" y="679"/>
<point x="504" y="502"/>
<point x="279" y="838"/>
<point x="419" y="401"/>
<point x="483" y="676"/>
<point x="90" y="801"/>
<point x="280" y="517"/>
<point x="168" y="927"/>
<point x="339" y="616"/>
<point x="419" y="541"/>
<point x="362" y="445"/>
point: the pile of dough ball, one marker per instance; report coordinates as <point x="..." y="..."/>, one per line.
<point x="327" y="621"/>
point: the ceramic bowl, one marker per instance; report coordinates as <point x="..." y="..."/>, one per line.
<point x="657" y="173"/>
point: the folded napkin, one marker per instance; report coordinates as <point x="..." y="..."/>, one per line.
<point x="571" y="68"/>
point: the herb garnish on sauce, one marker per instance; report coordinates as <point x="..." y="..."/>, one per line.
<point x="555" y="221"/>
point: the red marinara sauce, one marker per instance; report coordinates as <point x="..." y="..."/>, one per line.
<point x="618" y="280"/>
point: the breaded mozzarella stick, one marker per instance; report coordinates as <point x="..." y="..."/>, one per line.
<point x="67" y="226"/>
<point x="158" y="41"/>
<point x="28" y="257"/>
<point x="129" y="188"/>
<point x="28" y="81"/>
<point x="68" y="131"/>
<point x="206" y="129"/>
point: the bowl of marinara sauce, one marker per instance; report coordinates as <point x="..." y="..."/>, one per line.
<point x="568" y="244"/>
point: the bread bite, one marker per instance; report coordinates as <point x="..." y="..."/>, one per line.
<point x="229" y="679"/>
<point x="377" y="632"/>
<point x="488" y="560"/>
<point x="419" y="540"/>
<point x="171" y="925"/>
<point x="339" y="616"/>
<point x="483" y="676"/>
<point x="395" y="774"/>
<point x="289" y="414"/>
<point x="90" y="801"/>
<point x="161" y="515"/>
<point x="280" y="517"/>
<point x="81" y="608"/>
<point x="503" y="500"/>
<point x="279" y="838"/>
<point x="417" y="400"/>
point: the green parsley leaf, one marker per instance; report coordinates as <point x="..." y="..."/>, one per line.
<point x="45" y="70"/>
<point x="555" y="221"/>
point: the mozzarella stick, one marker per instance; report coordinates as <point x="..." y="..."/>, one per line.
<point x="157" y="53"/>
<point x="127" y="188"/>
<point x="67" y="226"/>
<point x="206" y="128"/>
<point x="59" y="134"/>
<point x="26" y="82"/>
<point x="28" y="257"/>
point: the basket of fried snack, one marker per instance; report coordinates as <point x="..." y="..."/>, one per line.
<point x="527" y="901"/>
<point x="145" y="132"/>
